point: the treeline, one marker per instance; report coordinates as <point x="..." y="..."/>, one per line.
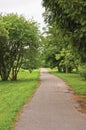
<point x="66" y="35"/>
<point x="19" y="42"/>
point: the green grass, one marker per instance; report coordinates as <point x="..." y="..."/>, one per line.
<point x="14" y="94"/>
<point x="74" y="81"/>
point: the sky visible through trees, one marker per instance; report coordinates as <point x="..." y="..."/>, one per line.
<point x="64" y="45"/>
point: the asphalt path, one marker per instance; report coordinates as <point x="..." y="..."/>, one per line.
<point x="51" y="108"/>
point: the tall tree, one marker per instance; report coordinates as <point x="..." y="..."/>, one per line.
<point x="69" y="17"/>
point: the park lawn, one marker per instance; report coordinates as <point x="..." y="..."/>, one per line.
<point x="74" y="81"/>
<point x="14" y="94"/>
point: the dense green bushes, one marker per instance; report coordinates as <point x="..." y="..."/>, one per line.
<point x="83" y="72"/>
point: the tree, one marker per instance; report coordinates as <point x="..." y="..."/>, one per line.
<point x="67" y="61"/>
<point x="69" y="17"/>
<point x="57" y="52"/>
<point x="22" y="34"/>
<point x="48" y="51"/>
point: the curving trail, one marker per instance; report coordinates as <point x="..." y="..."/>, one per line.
<point x="51" y="108"/>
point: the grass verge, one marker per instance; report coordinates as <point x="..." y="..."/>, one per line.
<point x="14" y="94"/>
<point x="74" y="81"/>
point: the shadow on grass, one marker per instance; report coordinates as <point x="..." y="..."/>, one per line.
<point x="9" y="82"/>
<point x="21" y="79"/>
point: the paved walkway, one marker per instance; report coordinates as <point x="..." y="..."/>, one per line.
<point x="51" y="108"/>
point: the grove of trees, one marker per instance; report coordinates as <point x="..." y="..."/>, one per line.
<point x="64" y="46"/>
<point x="66" y="34"/>
<point x="19" y="42"/>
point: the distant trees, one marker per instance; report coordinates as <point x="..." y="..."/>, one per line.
<point x="18" y="37"/>
<point x="58" y="54"/>
<point x="67" y="61"/>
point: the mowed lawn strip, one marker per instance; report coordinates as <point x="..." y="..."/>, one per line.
<point x="74" y="81"/>
<point x="14" y="94"/>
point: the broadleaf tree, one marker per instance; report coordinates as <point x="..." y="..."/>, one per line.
<point x="70" y="17"/>
<point x="22" y="33"/>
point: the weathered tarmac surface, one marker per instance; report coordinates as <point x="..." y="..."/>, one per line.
<point x="51" y="108"/>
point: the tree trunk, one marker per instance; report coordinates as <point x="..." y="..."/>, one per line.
<point x="66" y="68"/>
<point x="76" y="68"/>
<point x="14" y="74"/>
<point x="4" y="74"/>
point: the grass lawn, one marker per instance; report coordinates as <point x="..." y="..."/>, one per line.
<point x="74" y="81"/>
<point x="14" y="94"/>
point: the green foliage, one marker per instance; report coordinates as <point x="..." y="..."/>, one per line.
<point x="3" y="32"/>
<point x="48" y="52"/>
<point x="31" y="59"/>
<point x="4" y="37"/>
<point x="57" y="52"/>
<point x="67" y="60"/>
<point x="51" y="46"/>
<point x="21" y="34"/>
<point x="83" y="71"/>
<point x="70" y="17"/>
<point x="13" y="95"/>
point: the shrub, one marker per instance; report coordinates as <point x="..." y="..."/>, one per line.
<point x="83" y="72"/>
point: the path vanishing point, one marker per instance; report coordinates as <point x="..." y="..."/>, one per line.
<point x="51" y="108"/>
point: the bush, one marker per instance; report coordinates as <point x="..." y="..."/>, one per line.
<point x="83" y="72"/>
